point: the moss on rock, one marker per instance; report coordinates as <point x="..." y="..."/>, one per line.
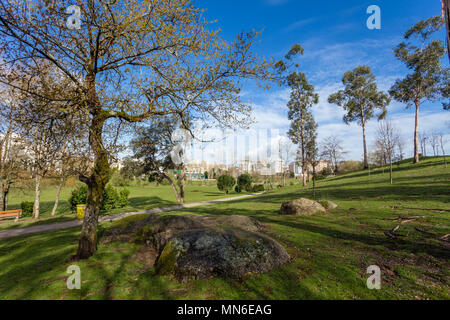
<point x="215" y="252"/>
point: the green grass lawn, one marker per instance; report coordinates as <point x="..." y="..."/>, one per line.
<point x="330" y="252"/>
<point x="141" y="198"/>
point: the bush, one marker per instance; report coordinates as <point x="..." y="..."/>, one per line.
<point x="112" y="198"/>
<point x="118" y="180"/>
<point x="350" y="166"/>
<point x="27" y="208"/>
<point x="238" y="189"/>
<point x="319" y="177"/>
<point x="78" y="196"/>
<point x="258" y="188"/>
<point x="245" y="182"/>
<point x="123" y="198"/>
<point x="326" y="172"/>
<point x="226" y="183"/>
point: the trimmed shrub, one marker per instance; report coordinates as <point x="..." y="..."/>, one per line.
<point x="244" y="182"/>
<point x="226" y="183"/>
<point x="27" y="208"/>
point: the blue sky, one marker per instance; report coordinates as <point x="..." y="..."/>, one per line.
<point x="335" y="38"/>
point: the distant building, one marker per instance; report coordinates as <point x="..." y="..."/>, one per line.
<point x="297" y="169"/>
<point x="196" y="169"/>
<point x="320" y="166"/>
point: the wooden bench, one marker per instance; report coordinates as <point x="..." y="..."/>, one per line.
<point x="11" y="214"/>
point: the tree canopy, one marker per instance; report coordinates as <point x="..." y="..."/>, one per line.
<point x="361" y="99"/>
<point x="128" y="61"/>
<point x="428" y="80"/>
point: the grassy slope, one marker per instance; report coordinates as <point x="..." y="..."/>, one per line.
<point x="141" y="198"/>
<point x="330" y="251"/>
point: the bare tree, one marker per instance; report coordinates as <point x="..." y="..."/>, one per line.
<point x="333" y="151"/>
<point x="287" y="154"/>
<point x="42" y="124"/>
<point x="70" y="162"/>
<point x="442" y="145"/>
<point x="11" y="148"/>
<point x="423" y="137"/>
<point x="387" y="136"/>
<point x="434" y="142"/>
<point x="401" y="147"/>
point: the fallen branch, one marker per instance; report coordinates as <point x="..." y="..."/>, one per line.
<point x="445" y="238"/>
<point x="425" y="232"/>
<point x="423" y="209"/>
<point x="391" y="234"/>
<point x="404" y="218"/>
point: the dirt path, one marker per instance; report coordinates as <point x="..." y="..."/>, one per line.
<point x="70" y="224"/>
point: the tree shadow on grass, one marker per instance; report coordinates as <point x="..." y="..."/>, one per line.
<point x="379" y="170"/>
<point x="267" y="217"/>
<point x="26" y="261"/>
<point x="34" y="267"/>
<point x="149" y="202"/>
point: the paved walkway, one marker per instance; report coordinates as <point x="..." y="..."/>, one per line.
<point x="70" y="224"/>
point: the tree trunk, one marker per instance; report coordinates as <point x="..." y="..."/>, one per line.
<point x="366" y="160"/>
<point x="416" y="134"/>
<point x="304" y="176"/>
<point x="443" y="152"/>
<point x="174" y="187"/>
<point x="390" y="165"/>
<point x="58" y="192"/>
<point x="87" y="243"/>
<point x="5" y="197"/>
<point x="336" y="168"/>
<point x="314" y="182"/>
<point x="303" y="148"/>
<point x="37" y="196"/>
<point x="4" y="191"/>
<point x="447" y="23"/>
<point x="182" y="183"/>
<point x="2" y="206"/>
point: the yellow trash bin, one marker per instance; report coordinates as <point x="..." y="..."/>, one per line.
<point x="81" y="209"/>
